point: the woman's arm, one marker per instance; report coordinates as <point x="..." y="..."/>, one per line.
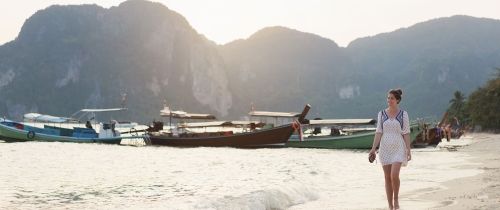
<point x="376" y="142"/>
<point x="406" y="134"/>
<point x="378" y="133"/>
<point x="406" y="137"/>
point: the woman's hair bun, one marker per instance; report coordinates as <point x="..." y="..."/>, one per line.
<point x="399" y="91"/>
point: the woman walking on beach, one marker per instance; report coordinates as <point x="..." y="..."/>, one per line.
<point x="393" y="139"/>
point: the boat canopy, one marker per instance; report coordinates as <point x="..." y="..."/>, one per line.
<point x="273" y="114"/>
<point x="343" y="122"/>
<point x="193" y="116"/>
<point x="358" y="129"/>
<point x="103" y="110"/>
<point x="46" y="118"/>
<point x="91" y="112"/>
<point x="218" y="124"/>
<point x="85" y="112"/>
<point x="166" y="112"/>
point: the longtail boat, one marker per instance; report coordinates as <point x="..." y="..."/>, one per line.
<point x="265" y="137"/>
<point x="361" y="139"/>
<point x="11" y="131"/>
<point x="84" y="118"/>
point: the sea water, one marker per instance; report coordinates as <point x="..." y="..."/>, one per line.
<point x="95" y="176"/>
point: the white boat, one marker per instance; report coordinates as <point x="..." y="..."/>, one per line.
<point x="86" y="118"/>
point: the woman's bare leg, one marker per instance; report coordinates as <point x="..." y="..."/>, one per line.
<point x="388" y="184"/>
<point x="396" y="167"/>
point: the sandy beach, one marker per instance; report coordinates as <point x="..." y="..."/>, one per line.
<point x="481" y="191"/>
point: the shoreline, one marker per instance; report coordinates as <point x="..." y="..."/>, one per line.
<point x="481" y="191"/>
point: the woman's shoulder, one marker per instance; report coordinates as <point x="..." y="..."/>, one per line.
<point x="405" y="113"/>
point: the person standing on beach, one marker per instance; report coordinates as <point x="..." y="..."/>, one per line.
<point x="392" y="136"/>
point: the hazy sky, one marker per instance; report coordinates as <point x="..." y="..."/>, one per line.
<point x="225" y="20"/>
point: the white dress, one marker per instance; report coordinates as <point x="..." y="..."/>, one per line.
<point x="392" y="147"/>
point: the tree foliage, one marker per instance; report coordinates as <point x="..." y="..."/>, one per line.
<point x="457" y="107"/>
<point x="484" y="105"/>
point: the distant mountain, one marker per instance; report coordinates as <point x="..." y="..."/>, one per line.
<point x="282" y="69"/>
<point x="71" y="57"/>
<point x="429" y="61"/>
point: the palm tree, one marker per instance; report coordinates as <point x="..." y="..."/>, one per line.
<point x="457" y="105"/>
<point x="458" y="101"/>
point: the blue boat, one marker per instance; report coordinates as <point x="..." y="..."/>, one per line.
<point x="11" y="131"/>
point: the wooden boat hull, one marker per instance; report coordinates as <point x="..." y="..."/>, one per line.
<point x="261" y="138"/>
<point x="357" y="141"/>
<point x="12" y="134"/>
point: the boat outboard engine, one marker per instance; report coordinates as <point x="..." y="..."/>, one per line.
<point x="334" y="131"/>
<point x="317" y="130"/>
<point x="157" y="126"/>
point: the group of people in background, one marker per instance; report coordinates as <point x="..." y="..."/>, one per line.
<point x="450" y="129"/>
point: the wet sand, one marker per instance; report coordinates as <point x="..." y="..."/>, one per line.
<point x="481" y="191"/>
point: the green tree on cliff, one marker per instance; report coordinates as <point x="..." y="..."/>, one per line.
<point x="484" y="105"/>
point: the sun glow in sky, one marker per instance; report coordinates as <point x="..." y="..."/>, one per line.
<point x="223" y="21"/>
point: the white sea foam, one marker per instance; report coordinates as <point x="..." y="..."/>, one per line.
<point x="275" y="198"/>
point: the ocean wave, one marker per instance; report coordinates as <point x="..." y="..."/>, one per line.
<point x="273" y="198"/>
